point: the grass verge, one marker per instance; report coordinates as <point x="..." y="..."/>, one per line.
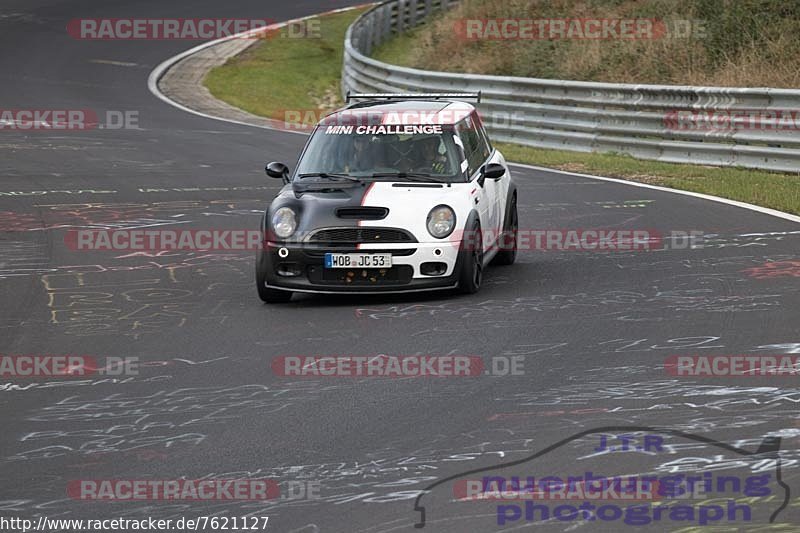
<point x="287" y="73"/>
<point x="304" y="74"/>
<point x="732" y="43"/>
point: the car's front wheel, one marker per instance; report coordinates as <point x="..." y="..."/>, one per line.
<point x="270" y="296"/>
<point x="471" y="275"/>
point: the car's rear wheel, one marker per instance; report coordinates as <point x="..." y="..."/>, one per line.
<point x="508" y="254"/>
<point x="270" y="296"/>
<point x="471" y="274"/>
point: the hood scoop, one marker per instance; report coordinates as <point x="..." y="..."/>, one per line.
<point x="362" y="213"/>
<point x="420" y="185"/>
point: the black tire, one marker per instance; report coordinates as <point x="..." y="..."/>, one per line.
<point x="507" y="256"/>
<point x="471" y="275"/>
<point x="267" y="295"/>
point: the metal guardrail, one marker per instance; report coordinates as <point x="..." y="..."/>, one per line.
<point x="657" y="122"/>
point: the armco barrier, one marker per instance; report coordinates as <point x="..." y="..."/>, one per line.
<point x="639" y="120"/>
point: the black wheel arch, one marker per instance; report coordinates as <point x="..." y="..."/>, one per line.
<point x="510" y="195"/>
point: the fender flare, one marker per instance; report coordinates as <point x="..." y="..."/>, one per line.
<point x="471" y="219"/>
<point x="512" y="191"/>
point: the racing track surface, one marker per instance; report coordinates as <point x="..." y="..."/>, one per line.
<point x="593" y="328"/>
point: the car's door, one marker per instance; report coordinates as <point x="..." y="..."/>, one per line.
<point x="498" y="188"/>
<point x="477" y="153"/>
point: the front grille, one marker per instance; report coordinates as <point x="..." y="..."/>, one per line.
<point x="360" y="235"/>
<point x="362" y="213"/>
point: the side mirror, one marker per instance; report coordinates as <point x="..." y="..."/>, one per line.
<point x="494" y="171"/>
<point x="277" y="170"/>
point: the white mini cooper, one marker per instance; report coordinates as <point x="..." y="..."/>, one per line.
<point x="394" y="193"/>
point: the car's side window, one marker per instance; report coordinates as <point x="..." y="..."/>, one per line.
<point x="468" y="132"/>
<point x="486" y="145"/>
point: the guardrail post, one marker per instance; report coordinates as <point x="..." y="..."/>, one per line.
<point x="379" y="23"/>
<point x="388" y="22"/>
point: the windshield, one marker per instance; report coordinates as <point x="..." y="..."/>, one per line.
<point x="363" y="151"/>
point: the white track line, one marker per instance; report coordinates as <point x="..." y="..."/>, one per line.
<point x="744" y="205"/>
<point x="155" y="75"/>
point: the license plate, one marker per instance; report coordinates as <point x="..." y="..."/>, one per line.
<point x="358" y="260"/>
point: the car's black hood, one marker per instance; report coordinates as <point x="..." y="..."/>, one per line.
<point x="316" y="204"/>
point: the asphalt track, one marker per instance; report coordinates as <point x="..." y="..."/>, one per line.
<point x="593" y="328"/>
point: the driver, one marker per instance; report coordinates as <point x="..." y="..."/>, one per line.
<point x="433" y="162"/>
<point x="362" y="158"/>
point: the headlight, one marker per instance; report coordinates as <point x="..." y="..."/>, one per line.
<point x="441" y="221"/>
<point x="284" y="222"/>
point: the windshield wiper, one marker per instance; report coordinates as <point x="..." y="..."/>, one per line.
<point x="411" y="176"/>
<point x="330" y="175"/>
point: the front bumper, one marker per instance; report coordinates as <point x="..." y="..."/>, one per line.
<point x="306" y="264"/>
